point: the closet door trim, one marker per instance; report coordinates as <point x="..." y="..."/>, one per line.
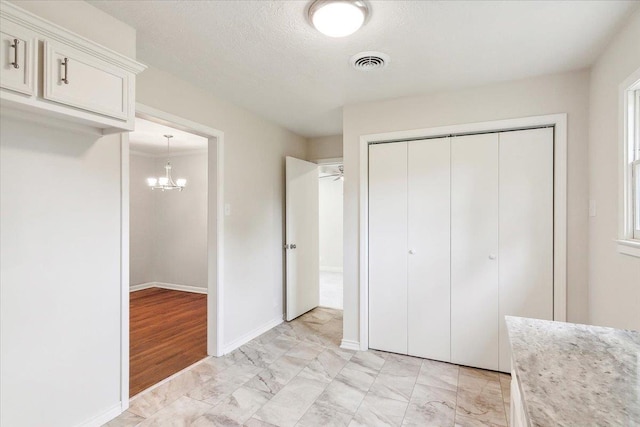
<point x="557" y="121"/>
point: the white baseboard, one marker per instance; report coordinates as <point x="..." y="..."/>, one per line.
<point x="350" y="345"/>
<point x="142" y="286"/>
<point x="251" y="335"/>
<point x="103" y="418"/>
<point x="331" y="269"/>
<point x="170" y="286"/>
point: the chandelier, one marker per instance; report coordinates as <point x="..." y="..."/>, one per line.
<point x="166" y="182"/>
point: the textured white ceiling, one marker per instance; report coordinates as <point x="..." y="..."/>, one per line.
<point x="148" y="138"/>
<point x="263" y="55"/>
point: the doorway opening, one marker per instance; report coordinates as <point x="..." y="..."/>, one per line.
<point x="172" y="248"/>
<point x="168" y="252"/>
<point x="313" y="240"/>
<point x="330" y="202"/>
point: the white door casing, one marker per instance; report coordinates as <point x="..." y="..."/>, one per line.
<point x="429" y="258"/>
<point x="302" y="237"/>
<point x="388" y="250"/>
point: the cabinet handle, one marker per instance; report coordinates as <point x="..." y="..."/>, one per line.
<point x="65" y="64"/>
<point x="15" y="44"/>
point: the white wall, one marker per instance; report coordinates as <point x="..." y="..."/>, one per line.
<point x="325" y="147"/>
<point x="254" y="187"/>
<point x="60" y="256"/>
<point x="181" y="224"/>
<point x="563" y="93"/>
<point x="614" y="279"/>
<point x="142" y="220"/>
<point x="330" y="206"/>
<point x="168" y="230"/>
<point x="60" y="274"/>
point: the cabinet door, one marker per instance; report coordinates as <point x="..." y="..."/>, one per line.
<point x="17" y="53"/>
<point x="78" y="79"/>
<point x="474" y="250"/>
<point x="526" y="229"/>
<point x="429" y="257"/>
<point x="388" y="247"/>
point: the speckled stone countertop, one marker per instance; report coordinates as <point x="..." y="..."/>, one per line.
<point x="576" y="375"/>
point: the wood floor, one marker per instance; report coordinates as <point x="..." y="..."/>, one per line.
<point x="168" y="332"/>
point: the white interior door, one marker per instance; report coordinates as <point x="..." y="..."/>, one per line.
<point x="388" y="247"/>
<point x="429" y="196"/>
<point x="526" y="229"/>
<point x="302" y="237"/>
<point x="474" y="251"/>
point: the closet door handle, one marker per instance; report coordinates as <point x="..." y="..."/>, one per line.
<point x="15" y="44"/>
<point x="412" y="252"/>
<point x="492" y="256"/>
<point x="65" y="64"/>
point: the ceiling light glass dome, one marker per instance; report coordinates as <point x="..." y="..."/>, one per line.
<point x="338" y="18"/>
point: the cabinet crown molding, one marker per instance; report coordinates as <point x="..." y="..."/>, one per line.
<point x="51" y="31"/>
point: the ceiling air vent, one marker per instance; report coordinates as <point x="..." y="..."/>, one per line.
<point x="369" y="61"/>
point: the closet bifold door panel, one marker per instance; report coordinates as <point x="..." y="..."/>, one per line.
<point x="428" y="249"/>
<point x="474" y="250"/>
<point x="388" y="247"/>
<point x="526" y="229"/>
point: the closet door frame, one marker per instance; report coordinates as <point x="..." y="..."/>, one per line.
<point x="557" y="121"/>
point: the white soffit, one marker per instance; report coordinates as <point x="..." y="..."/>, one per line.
<point x="264" y="55"/>
<point x="148" y="138"/>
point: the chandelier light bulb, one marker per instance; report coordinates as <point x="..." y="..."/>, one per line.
<point x="181" y="182"/>
<point x="152" y="182"/>
<point x="337" y="18"/>
<point x="163" y="181"/>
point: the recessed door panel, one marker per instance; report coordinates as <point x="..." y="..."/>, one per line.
<point x="388" y="247"/>
<point x="474" y="250"/>
<point x="526" y="229"/>
<point x="428" y="250"/>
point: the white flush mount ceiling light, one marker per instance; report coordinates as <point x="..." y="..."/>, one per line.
<point x="338" y="18"/>
<point x="166" y="182"/>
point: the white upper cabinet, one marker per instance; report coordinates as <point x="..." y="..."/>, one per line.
<point x="80" y="80"/>
<point x="48" y="70"/>
<point x="19" y="64"/>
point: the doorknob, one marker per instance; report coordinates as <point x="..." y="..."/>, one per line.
<point x="292" y="246"/>
<point x="412" y="252"/>
<point x="492" y="256"/>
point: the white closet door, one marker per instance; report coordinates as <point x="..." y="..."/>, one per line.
<point x="429" y="258"/>
<point x="474" y="250"/>
<point x="388" y="247"/>
<point x="526" y="229"/>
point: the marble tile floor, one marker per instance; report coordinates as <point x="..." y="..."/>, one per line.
<point x="297" y="375"/>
